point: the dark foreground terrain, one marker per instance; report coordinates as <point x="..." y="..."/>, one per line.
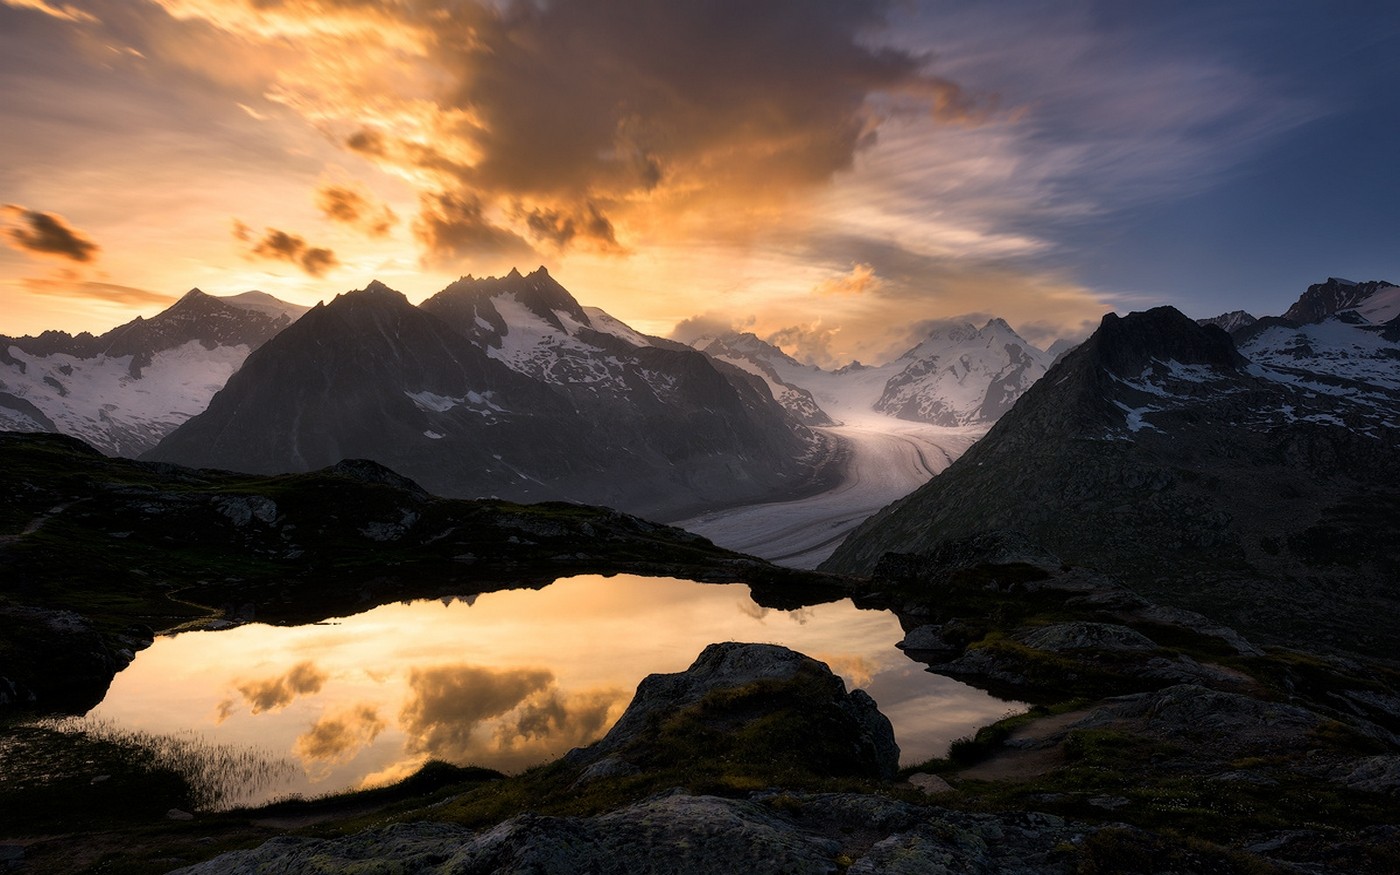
<point x="1160" y="740"/>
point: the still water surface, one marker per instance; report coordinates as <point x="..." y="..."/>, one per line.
<point x="505" y="679"/>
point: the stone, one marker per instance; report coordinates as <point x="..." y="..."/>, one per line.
<point x="177" y="814"/>
<point x="932" y="785"/>
<point x="1087" y="636"/>
<point x="926" y="637"/>
<point x="856" y="739"/>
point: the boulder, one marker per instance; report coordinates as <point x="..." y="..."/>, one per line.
<point x="926" y="637"/>
<point x="1087" y="636"/>
<point x="762" y="699"/>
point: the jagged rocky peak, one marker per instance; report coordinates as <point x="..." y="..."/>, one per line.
<point x="537" y="292"/>
<point x="1376" y="299"/>
<point x="375" y="289"/>
<point x="1230" y="322"/>
<point x="1128" y="345"/>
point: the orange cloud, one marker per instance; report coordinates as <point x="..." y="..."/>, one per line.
<point x="270" y="694"/>
<point x="812" y="343"/>
<point x="449" y="702"/>
<point x="283" y="246"/>
<point x="511" y="718"/>
<point x="453" y="227"/>
<point x="861" y="280"/>
<point x="336" y="738"/>
<point x="47" y="234"/>
<point x="351" y="206"/>
<point x="586" y="123"/>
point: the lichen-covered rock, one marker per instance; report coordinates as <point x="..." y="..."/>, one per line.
<point x="1378" y="774"/>
<point x="1087" y="636"/>
<point x="672" y="834"/>
<point x="1226" y="724"/>
<point x="772" y="699"/>
<point x="680" y="834"/>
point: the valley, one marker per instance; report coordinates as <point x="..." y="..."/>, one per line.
<point x="882" y="460"/>
<point x="1142" y="615"/>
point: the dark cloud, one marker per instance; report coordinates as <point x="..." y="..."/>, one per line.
<point x="283" y="246"/>
<point x="336" y="738"/>
<point x="269" y="694"/>
<point x="350" y="206"/>
<point x="507" y="719"/>
<point x="449" y="702"/>
<point x="560" y="108"/>
<point x="558" y="721"/>
<point x="47" y="234"/>
<point x="576" y="96"/>
<point x="563" y="227"/>
<point x="453" y="227"/>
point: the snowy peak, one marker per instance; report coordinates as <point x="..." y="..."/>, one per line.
<point x="123" y="391"/>
<point x="262" y="302"/>
<point x="781" y="372"/>
<point x="963" y="375"/>
<point x="537" y="293"/>
<point x="1229" y="322"/>
<point x="746" y="346"/>
<point x="1377" y="301"/>
<point x="534" y="326"/>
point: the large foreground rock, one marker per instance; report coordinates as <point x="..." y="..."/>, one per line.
<point x="763" y="695"/>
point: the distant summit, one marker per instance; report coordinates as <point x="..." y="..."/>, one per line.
<point x="1230" y="322"/>
<point x="1377" y="300"/>
<point x="963" y="375"/>
<point x="957" y="375"/>
<point x="124" y="390"/>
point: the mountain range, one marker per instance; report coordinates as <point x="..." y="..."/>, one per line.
<point x="122" y="391"/>
<point x="958" y="375"/>
<point x="1254" y="477"/>
<point x="504" y="387"/>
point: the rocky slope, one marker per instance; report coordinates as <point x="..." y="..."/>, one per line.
<point x="124" y="390"/>
<point x="1264" y="496"/>
<point x="503" y="387"/>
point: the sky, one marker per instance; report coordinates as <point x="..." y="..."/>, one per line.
<point x="831" y="174"/>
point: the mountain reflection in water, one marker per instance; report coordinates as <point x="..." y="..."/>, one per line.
<point x="505" y="679"/>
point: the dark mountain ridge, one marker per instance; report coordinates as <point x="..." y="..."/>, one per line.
<point x="502" y="387"/>
<point x="1156" y="452"/>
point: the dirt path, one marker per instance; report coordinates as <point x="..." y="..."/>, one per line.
<point x="1014" y="762"/>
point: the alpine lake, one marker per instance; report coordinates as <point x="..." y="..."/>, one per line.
<point x="505" y="680"/>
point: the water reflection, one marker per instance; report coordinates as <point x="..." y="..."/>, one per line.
<point x="505" y="679"/>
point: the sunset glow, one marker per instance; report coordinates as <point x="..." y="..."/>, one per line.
<point x="828" y="173"/>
